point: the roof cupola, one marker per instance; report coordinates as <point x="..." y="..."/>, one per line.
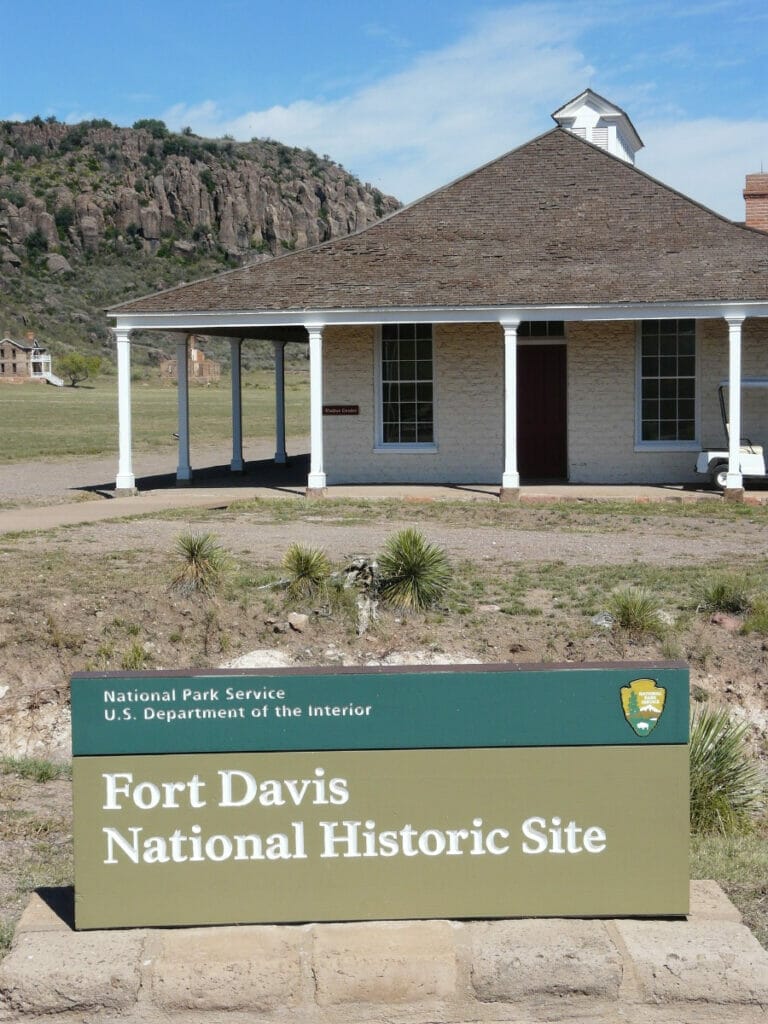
<point x="597" y="120"/>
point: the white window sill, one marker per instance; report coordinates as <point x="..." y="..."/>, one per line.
<point x="406" y="449"/>
<point x="667" y="446"/>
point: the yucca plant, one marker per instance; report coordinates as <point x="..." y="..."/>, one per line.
<point x="727" y="783"/>
<point x="414" y="574"/>
<point x="725" y="593"/>
<point x="636" y="611"/>
<point x="307" y="570"/>
<point x="202" y="564"/>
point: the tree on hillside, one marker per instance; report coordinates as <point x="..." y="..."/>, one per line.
<point x="78" y="367"/>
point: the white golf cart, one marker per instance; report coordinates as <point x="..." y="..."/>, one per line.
<point x="714" y="462"/>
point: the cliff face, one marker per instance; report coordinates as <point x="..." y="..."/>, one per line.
<point x="73" y="190"/>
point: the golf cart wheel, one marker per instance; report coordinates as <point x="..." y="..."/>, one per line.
<point x="720" y="475"/>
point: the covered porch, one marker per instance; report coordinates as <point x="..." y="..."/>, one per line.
<point x="340" y="393"/>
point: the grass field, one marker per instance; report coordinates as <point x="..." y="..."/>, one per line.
<point x="38" y="421"/>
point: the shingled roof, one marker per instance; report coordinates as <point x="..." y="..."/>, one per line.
<point x="557" y="221"/>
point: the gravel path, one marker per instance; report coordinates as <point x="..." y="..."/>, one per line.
<point x="657" y="541"/>
<point x="590" y="540"/>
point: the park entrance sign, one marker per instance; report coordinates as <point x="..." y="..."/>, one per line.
<point x="455" y="791"/>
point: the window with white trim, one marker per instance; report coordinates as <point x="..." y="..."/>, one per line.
<point x="667" y="380"/>
<point x="407" y="385"/>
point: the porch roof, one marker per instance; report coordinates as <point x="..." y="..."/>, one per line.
<point x="557" y="221"/>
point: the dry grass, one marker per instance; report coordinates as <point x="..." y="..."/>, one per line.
<point x="40" y="422"/>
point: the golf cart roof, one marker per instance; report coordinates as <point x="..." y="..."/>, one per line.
<point x="748" y="382"/>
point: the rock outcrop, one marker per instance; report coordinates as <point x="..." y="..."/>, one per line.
<point x="80" y="189"/>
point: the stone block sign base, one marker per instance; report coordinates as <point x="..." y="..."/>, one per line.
<point x="708" y="968"/>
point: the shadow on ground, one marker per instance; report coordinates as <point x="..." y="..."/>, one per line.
<point x="289" y="478"/>
<point x="61" y="900"/>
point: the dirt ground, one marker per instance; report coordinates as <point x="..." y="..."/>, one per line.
<point x="528" y="582"/>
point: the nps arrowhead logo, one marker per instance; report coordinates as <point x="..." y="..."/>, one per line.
<point x="643" y="702"/>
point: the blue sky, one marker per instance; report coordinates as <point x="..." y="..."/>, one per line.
<point x="408" y="94"/>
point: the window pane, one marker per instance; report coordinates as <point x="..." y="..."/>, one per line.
<point x="650" y="329"/>
<point x="650" y="430"/>
<point x="650" y="366"/>
<point x="650" y="410"/>
<point x="407" y="406"/>
<point x="650" y="347"/>
<point x="668" y="369"/>
<point x="407" y="348"/>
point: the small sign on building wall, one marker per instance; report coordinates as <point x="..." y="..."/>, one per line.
<point x="458" y="792"/>
<point x="341" y="410"/>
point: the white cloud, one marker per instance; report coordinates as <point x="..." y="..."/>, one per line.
<point x="452" y="109"/>
<point x="707" y="159"/>
<point x="449" y="111"/>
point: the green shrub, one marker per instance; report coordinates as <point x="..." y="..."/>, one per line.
<point x="757" y="619"/>
<point x="36" y="243"/>
<point x="725" y="593"/>
<point x="414" y="573"/>
<point x="135" y="658"/>
<point x="727" y="784"/>
<point x="6" y="936"/>
<point x="636" y="611"/>
<point x="203" y="564"/>
<point x="157" y="129"/>
<point x="307" y="570"/>
<point x="64" y="218"/>
<point x="37" y="769"/>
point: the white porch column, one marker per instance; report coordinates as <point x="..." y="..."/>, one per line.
<point x="510" y="481"/>
<point x="734" y="480"/>
<point x="235" y="352"/>
<point x="183" y="470"/>
<point x="125" y="480"/>
<point x="280" y="453"/>
<point x="316" y="479"/>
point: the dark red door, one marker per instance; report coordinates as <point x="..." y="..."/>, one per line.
<point x="542" y="451"/>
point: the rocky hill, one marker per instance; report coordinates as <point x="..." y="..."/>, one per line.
<point x="92" y="213"/>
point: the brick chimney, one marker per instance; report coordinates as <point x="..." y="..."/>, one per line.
<point x="756" y="199"/>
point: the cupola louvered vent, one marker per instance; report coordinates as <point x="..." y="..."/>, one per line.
<point x="597" y="120"/>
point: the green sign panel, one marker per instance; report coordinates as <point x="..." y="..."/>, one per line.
<point x="477" y="706"/>
<point x="476" y="792"/>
